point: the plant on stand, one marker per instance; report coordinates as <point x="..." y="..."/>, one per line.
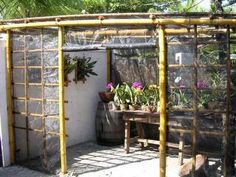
<point x="179" y="98"/>
<point x="83" y="68"/>
<point x="135" y="92"/>
<point x="121" y="97"/>
<point x="150" y="98"/>
<point x="108" y="95"/>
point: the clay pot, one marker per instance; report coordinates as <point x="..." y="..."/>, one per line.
<point x="106" y="96"/>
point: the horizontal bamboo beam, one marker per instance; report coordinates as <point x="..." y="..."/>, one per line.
<point x="35" y="115"/>
<point x="39" y="131"/>
<point x="34" y="50"/>
<point x="191" y="31"/>
<point x="37" y="99"/>
<point x="202" y="41"/>
<point x="198" y="65"/>
<point x="112" y="15"/>
<point x="35" y="67"/>
<point x="201" y="132"/>
<point x="189" y="110"/>
<point x="142" y="32"/>
<point x="126" y="22"/>
<point x="37" y="84"/>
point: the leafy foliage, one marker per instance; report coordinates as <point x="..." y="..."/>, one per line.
<point x="83" y="67"/>
<point x="31" y="8"/>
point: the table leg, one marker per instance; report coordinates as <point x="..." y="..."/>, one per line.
<point x="127" y="136"/>
<point x="141" y="133"/>
<point x="181" y="148"/>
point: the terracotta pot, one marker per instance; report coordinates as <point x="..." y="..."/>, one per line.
<point x="106" y="96"/>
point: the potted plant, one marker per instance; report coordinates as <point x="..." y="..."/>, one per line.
<point x="179" y="98"/>
<point x="121" y="96"/>
<point x="83" y="67"/>
<point x="134" y="93"/>
<point x="150" y="98"/>
<point x="107" y="95"/>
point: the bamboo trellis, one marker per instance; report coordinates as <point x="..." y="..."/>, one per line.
<point x="185" y="25"/>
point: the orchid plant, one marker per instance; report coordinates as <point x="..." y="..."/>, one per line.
<point x="134" y="92"/>
<point x="151" y="95"/>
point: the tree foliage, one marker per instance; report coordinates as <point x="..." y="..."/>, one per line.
<point x="30" y="8"/>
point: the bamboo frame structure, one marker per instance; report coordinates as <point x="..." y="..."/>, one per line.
<point x="26" y="81"/>
<point x="61" y="102"/>
<point x="163" y="101"/>
<point x="9" y="98"/>
<point x="109" y="60"/>
<point x="195" y="108"/>
<point x="185" y="24"/>
<point x="126" y="22"/>
<point x="226" y="119"/>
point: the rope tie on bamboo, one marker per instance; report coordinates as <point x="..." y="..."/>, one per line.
<point x="101" y="18"/>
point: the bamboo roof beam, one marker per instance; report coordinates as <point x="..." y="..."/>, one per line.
<point x="125" y="22"/>
<point x="118" y="15"/>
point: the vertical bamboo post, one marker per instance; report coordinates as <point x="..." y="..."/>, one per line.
<point x="45" y="158"/>
<point x="163" y="96"/>
<point x="26" y="101"/>
<point x="108" y="52"/>
<point x="9" y="97"/>
<point x="227" y="168"/>
<point x="61" y="101"/>
<point x="195" y="108"/>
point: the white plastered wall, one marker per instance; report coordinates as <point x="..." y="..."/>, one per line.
<point x="83" y="98"/>
<point x="3" y="105"/>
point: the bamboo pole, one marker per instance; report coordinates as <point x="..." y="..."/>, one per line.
<point x="120" y="15"/>
<point x="26" y="102"/>
<point x="109" y="65"/>
<point x="195" y="107"/>
<point x="45" y="155"/>
<point x="9" y="98"/>
<point x="162" y="93"/>
<point x="61" y="102"/>
<point x="111" y="15"/>
<point x="226" y="121"/>
<point x="126" y="22"/>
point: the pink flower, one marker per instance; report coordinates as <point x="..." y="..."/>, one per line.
<point x="109" y="86"/>
<point x="182" y="87"/>
<point x="201" y="84"/>
<point x="137" y="85"/>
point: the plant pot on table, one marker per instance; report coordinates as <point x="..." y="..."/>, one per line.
<point x="133" y="107"/>
<point x="106" y="96"/>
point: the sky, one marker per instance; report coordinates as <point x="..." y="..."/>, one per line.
<point x="204" y="4"/>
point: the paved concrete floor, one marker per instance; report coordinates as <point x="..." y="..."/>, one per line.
<point x="92" y="160"/>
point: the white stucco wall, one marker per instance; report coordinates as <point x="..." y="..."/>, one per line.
<point x="83" y="99"/>
<point x="3" y="106"/>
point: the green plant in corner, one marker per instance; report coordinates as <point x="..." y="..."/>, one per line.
<point x="83" y="67"/>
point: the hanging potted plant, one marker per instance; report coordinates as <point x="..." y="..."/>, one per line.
<point x="83" y="68"/>
<point x="108" y="95"/>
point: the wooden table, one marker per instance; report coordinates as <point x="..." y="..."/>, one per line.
<point x="141" y="117"/>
